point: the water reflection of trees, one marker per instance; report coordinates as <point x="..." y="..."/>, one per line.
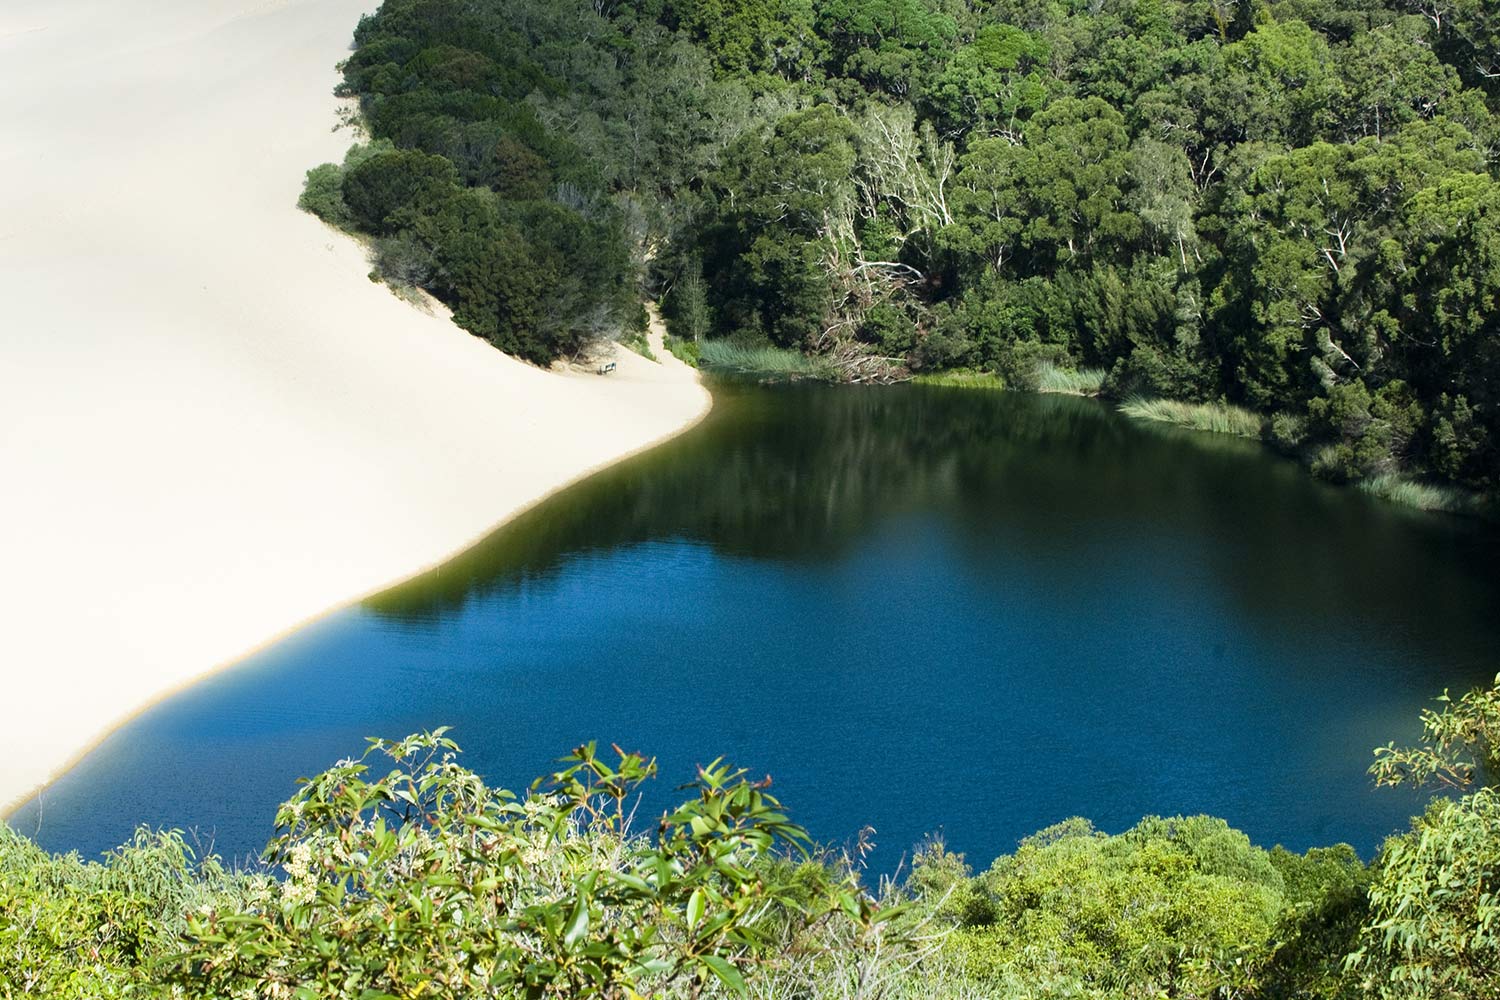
<point x="781" y="474"/>
<point x="804" y="473"/>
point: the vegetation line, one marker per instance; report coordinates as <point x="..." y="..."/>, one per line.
<point x="403" y="874"/>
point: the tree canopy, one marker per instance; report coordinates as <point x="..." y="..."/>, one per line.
<point x="1287" y="205"/>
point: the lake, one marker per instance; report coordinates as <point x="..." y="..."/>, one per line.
<point x="936" y="612"/>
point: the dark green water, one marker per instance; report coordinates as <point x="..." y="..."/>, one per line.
<point x="932" y="611"/>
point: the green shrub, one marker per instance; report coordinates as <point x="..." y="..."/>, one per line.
<point x="76" y="929"/>
<point x="1181" y="906"/>
<point x="404" y="260"/>
<point x="634" y="340"/>
<point x="385" y="184"/>
<point x="686" y="351"/>
<point x="323" y="195"/>
<point x="424" y="881"/>
<point x="1288" y="431"/>
<point x="890" y="329"/>
<point x="1434" y="925"/>
<point x="323" y="192"/>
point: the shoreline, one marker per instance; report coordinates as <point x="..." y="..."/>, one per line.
<point x="219" y="430"/>
<point x="9" y="807"/>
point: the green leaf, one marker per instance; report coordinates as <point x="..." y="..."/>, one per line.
<point x="889" y="912"/>
<point x="578" y="923"/>
<point x="726" y="973"/>
<point x="695" y="906"/>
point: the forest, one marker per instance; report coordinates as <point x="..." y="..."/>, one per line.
<point x="1288" y="207"/>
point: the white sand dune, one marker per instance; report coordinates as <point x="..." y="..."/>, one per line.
<point x="213" y="427"/>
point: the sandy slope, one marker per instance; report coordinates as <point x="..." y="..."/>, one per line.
<point x="212" y="426"/>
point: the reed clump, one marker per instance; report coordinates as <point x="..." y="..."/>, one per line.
<point x="761" y="363"/>
<point x="1399" y="489"/>
<point x="1217" y="418"/>
<point x="961" y="379"/>
<point x="1069" y="382"/>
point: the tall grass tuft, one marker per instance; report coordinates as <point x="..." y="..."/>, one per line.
<point x="1419" y="496"/>
<point x="763" y="364"/>
<point x="1083" y="382"/>
<point x="1218" y="418"/>
<point x="961" y="379"/>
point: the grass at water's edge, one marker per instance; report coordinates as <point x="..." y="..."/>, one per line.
<point x="961" y="379"/>
<point x="1408" y="492"/>
<point x="1083" y="382"/>
<point x="1217" y="418"/>
<point x="1227" y="419"/>
<point x="761" y="364"/>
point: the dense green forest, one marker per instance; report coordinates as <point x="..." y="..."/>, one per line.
<point x="1286" y="205"/>
<point x="402" y="875"/>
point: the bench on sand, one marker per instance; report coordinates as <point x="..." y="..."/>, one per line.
<point x="606" y="368"/>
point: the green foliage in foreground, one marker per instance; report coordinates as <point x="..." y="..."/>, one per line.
<point x="422" y="882"/>
<point x="1219" y="418"/>
<point x="425" y="881"/>
<point x="70" y="928"/>
<point x="1174" y="907"/>
<point x="1434" y="929"/>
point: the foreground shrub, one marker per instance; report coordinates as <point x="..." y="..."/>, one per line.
<point x="1434" y="928"/>
<point x="69" y="928"/>
<point x="1182" y="907"/>
<point x="425" y="882"/>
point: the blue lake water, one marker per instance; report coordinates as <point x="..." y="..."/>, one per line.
<point x="930" y="611"/>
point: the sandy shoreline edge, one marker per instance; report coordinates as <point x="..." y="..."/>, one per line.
<point x="9" y="807"/>
<point x="214" y="430"/>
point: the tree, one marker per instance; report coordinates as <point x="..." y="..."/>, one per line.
<point x="750" y="36"/>
<point x="386" y="184"/>
<point x="1390" y="77"/>
<point x="890" y="46"/>
<point x="994" y="83"/>
<point x="1282" y="84"/>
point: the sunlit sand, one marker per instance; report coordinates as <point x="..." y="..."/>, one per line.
<point x="213" y="427"/>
